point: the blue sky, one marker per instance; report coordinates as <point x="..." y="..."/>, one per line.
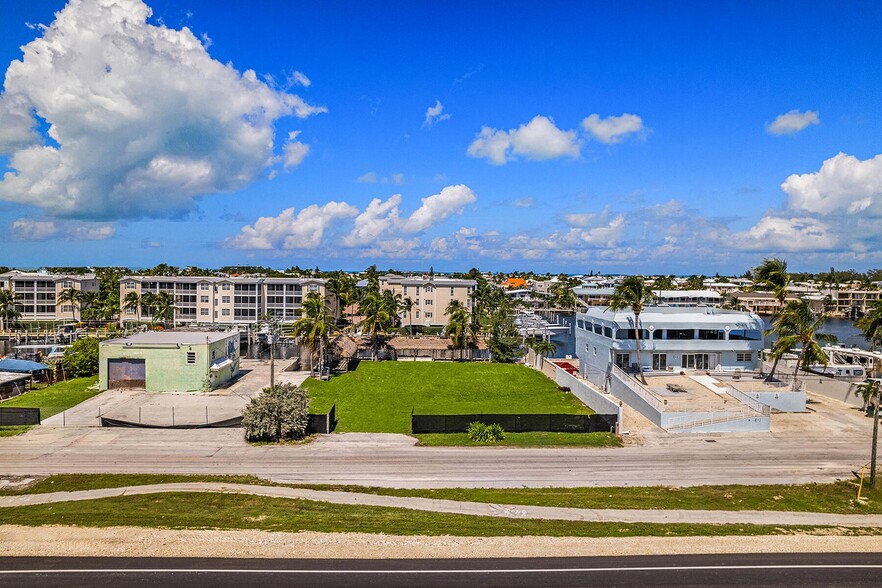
<point x="632" y="137"/>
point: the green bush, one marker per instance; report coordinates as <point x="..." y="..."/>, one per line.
<point x="277" y="414"/>
<point x="483" y="433"/>
<point x="81" y="359"/>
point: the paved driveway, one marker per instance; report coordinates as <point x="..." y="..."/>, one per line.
<point x="165" y="408"/>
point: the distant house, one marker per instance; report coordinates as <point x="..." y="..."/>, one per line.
<point x="169" y="361"/>
<point x="514" y="283"/>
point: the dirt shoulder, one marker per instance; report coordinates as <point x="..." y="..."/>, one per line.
<point x="19" y="541"/>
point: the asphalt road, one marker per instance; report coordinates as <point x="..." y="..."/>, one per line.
<point x="394" y="461"/>
<point x="692" y="570"/>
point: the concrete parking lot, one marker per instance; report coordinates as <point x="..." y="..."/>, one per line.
<point x="828" y="442"/>
<point x="164" y="408"/>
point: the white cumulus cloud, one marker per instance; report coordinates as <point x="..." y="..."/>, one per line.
<point x="843" y="184"/>
<point x="436" y="208"/>
<point x="792" y="122"/>
<point x="376" y="219"/>
<point x="289" y="231"/>
<point x="141" y="120"/>
<point x="294" y="151"/>
<point x="612" y="129"/>
<point x="538" y="139"/>
<point x="28" y="229"/>
<point x="435" y="114"/>
<point x="772" y="234"/>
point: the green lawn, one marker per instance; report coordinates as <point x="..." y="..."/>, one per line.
<point x="51" y="400"/>
<point x="378" y="396"/>
<point x="75" y="482"/>
<point x="837" y="497"/>
<point x="226" y="511"/>
<point x="535" y="439"/>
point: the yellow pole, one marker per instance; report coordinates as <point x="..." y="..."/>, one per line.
<point x="861" y="485"/>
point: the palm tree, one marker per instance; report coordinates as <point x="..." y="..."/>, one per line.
<point x="314" y="328"/>
<point x="544" y="348"/>
<point x="458" y="325"/>
<point x="871" y="323"/>
<point x="407" y="306"/>
<point x="772" y="275"/>
<point x="163" y="306"/>
<point x="796" y="325"/>
<point x="632" y="293"/>
<point x="147" y="300"/>
<point x="71" y="295"/>
<point x="8" y="311"/>
<point x="871" y="393"/>
<point x="90" y="308"/>
<point x="133" y="302"/>
<point x="376" y="319"/>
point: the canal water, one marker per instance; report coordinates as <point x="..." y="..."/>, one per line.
<point x="843" y="329"/>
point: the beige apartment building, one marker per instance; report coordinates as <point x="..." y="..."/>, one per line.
<point x="38" y="293"/>
<point x="224" y="300"/>
<point x="851" y="302"/>
<point x="430" y="296"/>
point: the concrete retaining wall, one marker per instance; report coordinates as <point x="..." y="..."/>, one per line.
<point x="596" y="401"/>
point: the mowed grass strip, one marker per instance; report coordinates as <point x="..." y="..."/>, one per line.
<point x="51" y="400"/>
<point x="837" y="497"/>
<point x="225" y="511"/>
<point x="378" y="396"/>
<point x="76" y="482"/>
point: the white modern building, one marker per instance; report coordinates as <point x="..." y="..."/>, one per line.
<point x="601" y="297"/>
<point x="671" y="339"/>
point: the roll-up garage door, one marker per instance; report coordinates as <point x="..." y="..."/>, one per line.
<point x="126" y="373"/>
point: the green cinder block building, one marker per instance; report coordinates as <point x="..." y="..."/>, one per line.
<point x="169" y="361"/>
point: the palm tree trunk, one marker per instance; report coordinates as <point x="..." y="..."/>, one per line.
<point x="798" y="363"/>
<point x="639" y="355"/>
<point x="875" y="439"/>
<point x="774" y="367"/>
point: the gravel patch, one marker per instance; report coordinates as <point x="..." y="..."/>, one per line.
<point x="60" y="541"/>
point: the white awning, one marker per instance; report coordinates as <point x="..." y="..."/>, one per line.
<point x="219" y="364"/>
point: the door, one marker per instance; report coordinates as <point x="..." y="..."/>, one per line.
<point x="126" y="373"/>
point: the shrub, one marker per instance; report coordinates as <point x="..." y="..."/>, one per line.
<point x="81" y="359"/>
<point x="483" y="433"/>
<point x="277" y="414"/>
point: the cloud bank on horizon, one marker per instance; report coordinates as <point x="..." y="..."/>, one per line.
<point x="112" y="119"/>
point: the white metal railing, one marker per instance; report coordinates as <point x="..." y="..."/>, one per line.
<point x="639" y="389"/>
<point x="692" y="420"/>
<point x="752" y="403"/>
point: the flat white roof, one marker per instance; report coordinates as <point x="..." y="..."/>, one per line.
<point x="676" y="315"/>
<point x="173" y="338"/>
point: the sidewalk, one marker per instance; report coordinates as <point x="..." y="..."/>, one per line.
<point x="716" y="517"/>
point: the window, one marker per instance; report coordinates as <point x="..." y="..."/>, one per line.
<point x="451" y="291"/>
<point x="204" y="286"/>
<point x="225" y="287"/>
<point x="428" y="315"/>
<point x="623" y="361"/>
<point x="213" y="354"/>
<point x="681" y="334"/>
<point x="128" y="310"/>
<point x="418" y="314"/>
<point x="659" y="361"/>
<point x="203" y="311"/>
<point x="225" y="299"/>
<point x="225" y="312"/>
<point x="744" y="356"/>
<point x="607" y="332"/>
<point x="428" y="289"/>
<point x="67" y="284"/>
<point x="711" y="334"/>
<point x="595" y="351"/>
<point x="69" y="308"/>
<point x="313" y="288"/>
<point x="598" y="328"/>
<point x="191" y="357"/>
<point x="428" y="303"/>
<point x="631" y="334"/>
<point x="203" y="299"/>
<point x="130" y="285"/>
<point x="745" y="335"/>
<point x="696" y="361"/>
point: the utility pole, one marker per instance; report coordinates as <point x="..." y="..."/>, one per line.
<point x="272" y="344"/>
